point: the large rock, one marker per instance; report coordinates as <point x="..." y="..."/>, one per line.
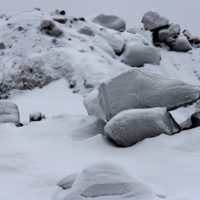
<point x="136" y="53"/>
<point x="193" y="39"/>
<point x="172" y="31"/>
<point x="153" y="20"/>
<point x="111" y="21"/>
<point x="138" y="88"/>
<point x="107" y="181"/>
<point x="131" y="126"/>
<point x="91" y="102"/>
<point x="9" y="112"/>
<point x="115" y="42"/>
<point x="86" y="30"/>
<point x="179" y="44"/>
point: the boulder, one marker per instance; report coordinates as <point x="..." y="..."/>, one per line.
<point x="2" y="46"/>
<point x="86" y="30"/>
<point x="115" y="42"/>
<point x="110" y="21"/>
<point x="171" y="31"/>
<point x="9" y="112"/>
<point x="68" y="181"/>
<point x="36" y="116"/>
<point x="132" y="30"/>
<point x="91" y="103"/>
<point x="153" y="20"/>
<point x="131" y="126"/>
<point x="193" y="39"/>
<point x="105" y="181"/>
<point x="138" y="88"/>
<point x="136" y="53"/>
<point x="195" y="119"/>
<point x="179" y="44"/>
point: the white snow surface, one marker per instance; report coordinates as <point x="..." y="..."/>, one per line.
<point x="35" y="157"/>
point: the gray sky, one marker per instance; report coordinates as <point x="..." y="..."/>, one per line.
<point x="184" y="12"/>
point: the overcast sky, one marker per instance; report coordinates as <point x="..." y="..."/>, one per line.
<point x="184" y="12"/>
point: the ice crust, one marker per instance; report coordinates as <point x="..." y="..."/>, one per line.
<point x="138" y="88"/>
<point x="153" y="20"/>
<point x="131" y="126"/>
<point x="108" y="181"/>
<point x="110" y="21"/>
<point x="9" y="112"/>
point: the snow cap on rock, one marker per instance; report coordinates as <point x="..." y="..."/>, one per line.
<point x="153" y="20"/>
<point x="110" y="21"/>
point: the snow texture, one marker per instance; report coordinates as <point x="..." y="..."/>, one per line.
<point x="172" y="31"/>
<point x="68" y="181"/>
<point x="131" y="126"/>
<point x="138" y="88"/>
<point x="91" y="102"/>
<point x="111" y="22"/>
<point x="9" y="112"/>
<point x="108" y="181"/>
<point x="153" y="20"/>
<point x="137" y="53"/>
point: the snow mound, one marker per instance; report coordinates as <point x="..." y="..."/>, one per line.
<point x="153" y="20"/>
<point x="107" y="181"/>
<point x="131" y="126"/>
<point x="9" y="112"/>
<point x="138" y="88"/>
<point x="110" y="21"/>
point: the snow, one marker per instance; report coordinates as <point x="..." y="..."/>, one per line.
<point x="35" y="157"/>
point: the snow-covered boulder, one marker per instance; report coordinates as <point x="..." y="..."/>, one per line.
<point x="36" y="116"/>
<point x="9" y="112"/>
<point x="131" y="126"/>
<point x="110" y="21"/>
<point x="68" y="181"/>
<point x="115" y="42"/>
<point x="172" y="31"/>
<point x="193" y="39"/>
<point x="137" y="53"/>
<point x="180" y="44"/>
<point x="153" y="20"/>
<point x="108" y="181"/>
<point x="132" y="30"/>
<point x="86" y="30"/>
<point x="91" y="102"/>
<point x="138" y="88"/>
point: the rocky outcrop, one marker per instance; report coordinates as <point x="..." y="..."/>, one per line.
<point x="105" y="181"/>
<point x="9" y="113"/>
<point x="131" y="126"/>
<point x="153" y="20"/>
<point x="110" y="21"/>
<point x="139" y="88"/>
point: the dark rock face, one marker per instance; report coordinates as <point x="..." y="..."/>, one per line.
<point x="9" y="112"/>
<point x="2" y="46"/>
<point x="111" y="21"/>
<point x="60" y="20"/>
<point x="36" y="116"/>
<point x="131" y="126"/>
<point x="153" y="20"/>
<point x="62" y="12"/>
<point x="48" y="27"/>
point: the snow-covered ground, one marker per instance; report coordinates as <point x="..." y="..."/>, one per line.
<point x="35" y="157"/>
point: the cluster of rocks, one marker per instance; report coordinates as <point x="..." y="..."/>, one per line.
<point x="104" y="181"/>
<point x="9" y="113"/>
<point x="165" y="33"/>
<point x="135" y="105"/>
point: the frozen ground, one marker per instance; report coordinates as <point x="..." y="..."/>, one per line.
<point x="35" y="157"/>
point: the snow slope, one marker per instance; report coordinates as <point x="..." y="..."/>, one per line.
<point x="35" y="157"/>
